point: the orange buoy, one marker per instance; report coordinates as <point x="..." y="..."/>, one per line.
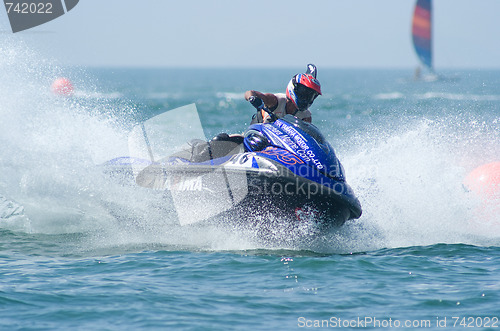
<point x="62" y="86"/>
<point x="485" y="181"/>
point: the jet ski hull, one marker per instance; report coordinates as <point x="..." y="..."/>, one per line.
<point x="249" y="191"/>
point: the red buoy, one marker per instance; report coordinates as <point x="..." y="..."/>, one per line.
<point x="62" y="86"/>
<point x="485" y="181"/>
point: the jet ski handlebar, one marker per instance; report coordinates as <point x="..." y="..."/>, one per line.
<point x="258" y="103"/>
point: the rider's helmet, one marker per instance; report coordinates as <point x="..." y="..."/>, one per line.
<point x="302" y="90"/>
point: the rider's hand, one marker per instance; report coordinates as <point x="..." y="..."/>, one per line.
<point x="256" y="102"/>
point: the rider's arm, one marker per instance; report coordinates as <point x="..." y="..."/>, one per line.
<point x="269" y="99"/>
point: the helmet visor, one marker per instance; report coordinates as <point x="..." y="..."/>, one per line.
<point x="305" y="96"/>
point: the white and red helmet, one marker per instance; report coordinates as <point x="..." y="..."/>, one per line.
<point x="304" y="88"/>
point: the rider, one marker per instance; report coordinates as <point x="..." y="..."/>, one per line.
<point x="300" y="94"/>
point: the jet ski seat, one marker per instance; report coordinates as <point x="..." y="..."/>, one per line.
<point x="198" y="150"/>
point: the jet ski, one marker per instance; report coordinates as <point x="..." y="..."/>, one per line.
<point x="282" y="170"/>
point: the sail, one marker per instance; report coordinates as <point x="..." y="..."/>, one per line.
<point x="422" y="31"/>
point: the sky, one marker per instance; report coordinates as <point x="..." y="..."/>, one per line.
<point x="263" y="33"/>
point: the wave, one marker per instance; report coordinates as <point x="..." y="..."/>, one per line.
<point x="437" y="95"/>
<point x="230" y="96"/>
<point x="389" y="96"/>
<point x="457" y="96"/>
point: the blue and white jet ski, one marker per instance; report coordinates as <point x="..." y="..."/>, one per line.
<point x="285" y="169"/>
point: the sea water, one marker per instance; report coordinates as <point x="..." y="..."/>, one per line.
<point x="80" y="252"/>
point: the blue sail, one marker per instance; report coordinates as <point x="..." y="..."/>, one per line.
<point x="422" y="31"/>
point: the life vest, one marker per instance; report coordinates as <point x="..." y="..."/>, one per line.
<point x="280" y="110"/>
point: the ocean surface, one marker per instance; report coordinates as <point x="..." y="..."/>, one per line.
<point x="79" y="252"/>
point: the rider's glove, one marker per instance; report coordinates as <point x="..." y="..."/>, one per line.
<point x="256" y="102"/>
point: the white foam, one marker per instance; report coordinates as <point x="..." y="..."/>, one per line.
<point x="389" y="96"/>
<point x="230" y="96"/>
<point x="457" y="96"/>
<point x="410" y="183"/>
